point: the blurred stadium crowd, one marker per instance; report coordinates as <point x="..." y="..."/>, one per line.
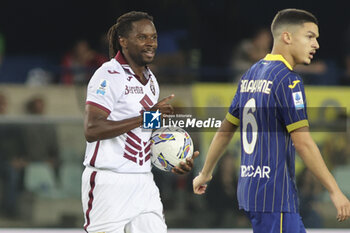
<point x="48" y="55"/>
<point x="212" y="40"/>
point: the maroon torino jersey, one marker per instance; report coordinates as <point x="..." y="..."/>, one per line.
<point x="116" y="89"/>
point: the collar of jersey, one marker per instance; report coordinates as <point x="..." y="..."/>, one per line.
<point x="277" y="57"/>
<point x="121" y="59"/>
<point x="123" y="62"/>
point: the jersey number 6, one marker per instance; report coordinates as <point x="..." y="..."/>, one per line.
<point x="249" y="119"/>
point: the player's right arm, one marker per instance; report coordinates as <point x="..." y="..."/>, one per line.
<point x="98" y="127"/>
<point x="310" y="154"/>
<point x="217" y="147"/>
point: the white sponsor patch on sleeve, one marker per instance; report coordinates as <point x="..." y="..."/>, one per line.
<point x="298" y="100"/>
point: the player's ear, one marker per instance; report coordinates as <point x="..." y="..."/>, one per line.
<point x="123" y="41"/>
<point x="286" y="37"/>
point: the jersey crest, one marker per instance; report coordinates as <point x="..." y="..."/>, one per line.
<point x="153" y="89"/>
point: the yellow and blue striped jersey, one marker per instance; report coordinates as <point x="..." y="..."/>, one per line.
<point x="268" y="105"/>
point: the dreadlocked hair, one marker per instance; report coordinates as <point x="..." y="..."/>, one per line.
<point x="122" y="28"/>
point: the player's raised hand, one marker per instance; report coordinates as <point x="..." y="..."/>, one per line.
<point x="185" y="167"/>
<point x="342" y="204"/>
<point x="163" y="106"/>
<point x="200" y="183"/>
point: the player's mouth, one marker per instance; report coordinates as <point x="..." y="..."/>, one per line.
<point x="311" y="54"/>
<point x="149" y="53"/>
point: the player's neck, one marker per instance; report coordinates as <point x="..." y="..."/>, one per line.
<point x="286" y="55"/>
<point x="138" y="70"/>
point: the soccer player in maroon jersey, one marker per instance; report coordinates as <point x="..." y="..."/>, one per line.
<point x="118" y="191"/>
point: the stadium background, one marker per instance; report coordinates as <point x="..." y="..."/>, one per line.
<point x="197" y="41"/>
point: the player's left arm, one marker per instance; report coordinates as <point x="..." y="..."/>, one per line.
<point x="217" y="148"/>
<point x="310" y="154"/>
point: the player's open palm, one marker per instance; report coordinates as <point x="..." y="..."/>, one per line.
<point x="342" y="204"/>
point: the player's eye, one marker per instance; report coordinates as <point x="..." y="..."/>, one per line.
<point x="141" y="37"/>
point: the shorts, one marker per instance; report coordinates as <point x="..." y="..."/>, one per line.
<point x="276" y="222"/>
<point x="121" y="202"/>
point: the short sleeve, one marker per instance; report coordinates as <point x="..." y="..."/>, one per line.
<point x="233" y="113"/>
<point x="291" y="102"/>
<point x="104" y="89"/>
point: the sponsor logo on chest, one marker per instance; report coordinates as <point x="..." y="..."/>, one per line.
<point x="133" y="90"/>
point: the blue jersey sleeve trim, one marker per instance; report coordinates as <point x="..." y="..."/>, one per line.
<point x="297" y="125"/>
<point x="233" y="120"/>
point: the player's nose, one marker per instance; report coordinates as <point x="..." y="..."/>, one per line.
<point x="316" y="45"/>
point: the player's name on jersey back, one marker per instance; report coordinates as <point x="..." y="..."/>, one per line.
<point x="253" y="86"/>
